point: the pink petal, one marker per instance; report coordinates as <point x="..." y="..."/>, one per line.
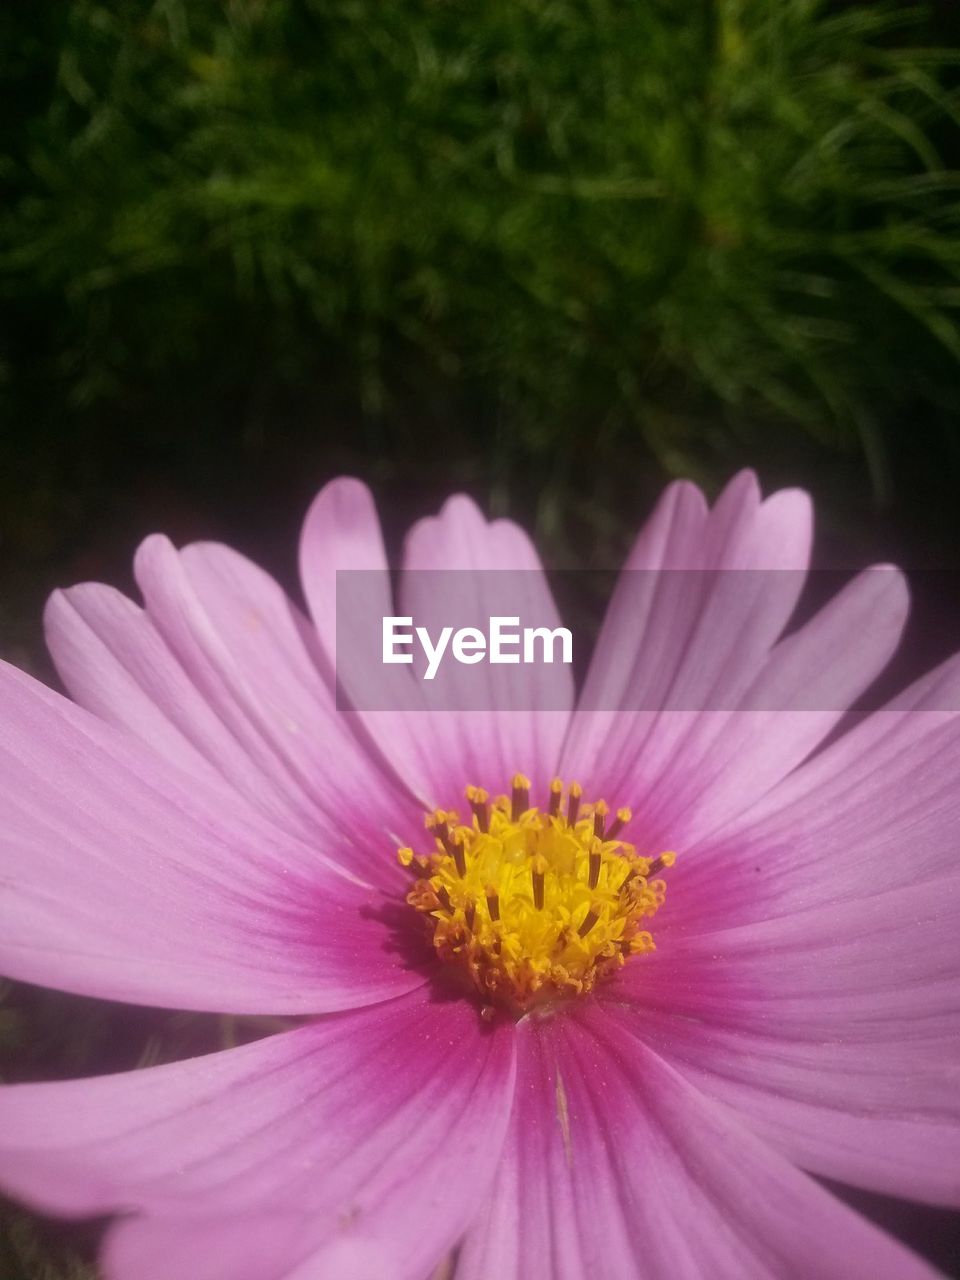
<point x="219" y="671"/>
<point x="523" y="710"/>
<point x="687" y="643"/>
<point x="877" y="809"/>
<point x="341" y="532"/>
<point x="261" y="1246"/>
<point x="717" y="762"/>
<point x="241" y="1248"/>
<point x="430" y="749"/>
<point x="370" y="1130"/>
<point x="835" y="1032"/>
<point x="121" y="877"/>
<point x="615" y="1166"/>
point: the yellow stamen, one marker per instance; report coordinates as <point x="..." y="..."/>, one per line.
<point x="619" y="822"/>
<point x="600" y="812"/>
<point x="537" y="878"/>
<point x="493" y="902"/>
<point x="589" y="920"/>
<point x="480" y="804"/>
<point x="561" y="897"/>
<point x="664" y="860"/>
<point x="556" y="795"/>
<point x="596" y="857"/>
<point x="573" y="804"/>
<point x="521" y="797"/>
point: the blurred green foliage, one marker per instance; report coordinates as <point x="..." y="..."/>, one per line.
<point x="662" y="221"/>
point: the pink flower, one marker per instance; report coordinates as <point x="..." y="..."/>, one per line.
<point x="202" y="829"/>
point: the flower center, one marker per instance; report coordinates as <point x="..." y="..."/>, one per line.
<point x="534" y="904"/>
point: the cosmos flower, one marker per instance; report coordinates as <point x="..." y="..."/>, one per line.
<point x="636" y="976"/>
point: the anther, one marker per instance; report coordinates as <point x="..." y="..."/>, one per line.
<point x="469" y="915"/>
<point x="589" y="920"/>
<point x="660" y="863"/>
<point x="619" y="822"/>
<point x="480" y="804"/>
<point x="556" y="794"/>
<point x="520" y="800"/>
<point x="632" y="877"/>
<point x="458" y="855"/>
<point x="594" y="871"/>
<point x="451" y="846"/>
<point x="573" y="802"/>
<point x="600" y="811"/>
<point x="436" y="821"/>
<point x="438" y="825"/>
<point x="537" y="876"/>
<point x="415" y="863"/>
<point x="493" y="902"/>
<point x="641" y="942"/>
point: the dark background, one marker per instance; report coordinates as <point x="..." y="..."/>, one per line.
<point x="552" y="253"/>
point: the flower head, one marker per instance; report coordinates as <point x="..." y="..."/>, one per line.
<point x="535" y="906"/>
<point x="645" y="959"/>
